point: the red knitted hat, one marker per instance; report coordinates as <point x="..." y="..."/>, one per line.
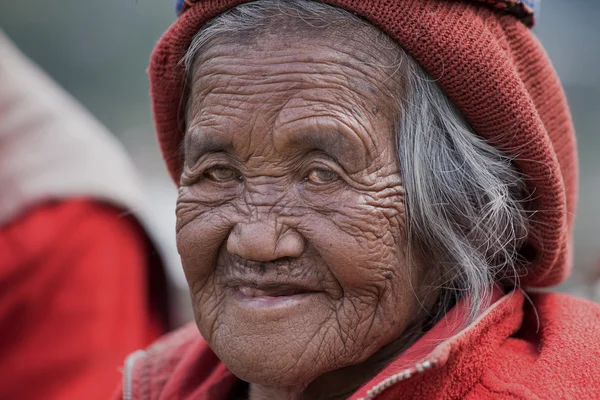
<point x="489" y="64"/>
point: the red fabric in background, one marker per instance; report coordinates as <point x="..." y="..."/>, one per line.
<point x="74" y="301"/>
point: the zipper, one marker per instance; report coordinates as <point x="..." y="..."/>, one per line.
<point x="419" y="368"/>
<point x="396" y="378"/>
<point x="130" y="362"/>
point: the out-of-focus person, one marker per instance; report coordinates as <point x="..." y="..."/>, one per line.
<point x="81" y="284"/>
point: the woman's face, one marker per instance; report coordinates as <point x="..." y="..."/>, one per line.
<point x="291" y="207"/>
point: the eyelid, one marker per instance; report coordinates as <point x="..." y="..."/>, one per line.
<point x="193" y="174"/>
<point x="326" y="161"/>
<point x="322" y="161"/>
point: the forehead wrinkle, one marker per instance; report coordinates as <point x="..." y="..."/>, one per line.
<point x="213" y="116"/>
<point x="319" y="105"/>
<point x="248" y="71"/>
<point x="247" y="79"/>
<point x="250" y="65"/>
<point x="220" y="75"/>
<point x="253" y="67"/>
<point x="247" y="87"/>
<point x="311" y="129"/>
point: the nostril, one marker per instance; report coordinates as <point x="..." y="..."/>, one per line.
<point x="290" y="244"/>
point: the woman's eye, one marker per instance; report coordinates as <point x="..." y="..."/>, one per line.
<point x="322" y="176"/>
<point x="220" y="174"/>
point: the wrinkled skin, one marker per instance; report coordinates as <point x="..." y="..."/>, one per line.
<point x="291" y="212"/>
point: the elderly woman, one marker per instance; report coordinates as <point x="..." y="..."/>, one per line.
<point x="367" y="192"/>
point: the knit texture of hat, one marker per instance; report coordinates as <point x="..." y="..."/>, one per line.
<point x="488" y="63"/>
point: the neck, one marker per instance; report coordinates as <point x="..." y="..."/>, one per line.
<point x="341" y="383"/>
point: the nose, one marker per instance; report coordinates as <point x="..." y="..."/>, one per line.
<point x="264" y="241"/>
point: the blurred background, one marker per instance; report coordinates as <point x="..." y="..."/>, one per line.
<point x="98" y="51"/>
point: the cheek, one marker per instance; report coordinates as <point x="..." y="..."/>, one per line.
<point x="364" y="247"/>
<point x="362" y="243"/>
<point x="201" y="231"/>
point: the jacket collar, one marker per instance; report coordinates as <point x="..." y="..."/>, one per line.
<point x="446" y="349"/>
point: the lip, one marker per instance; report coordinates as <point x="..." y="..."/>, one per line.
<point x="270" y="294"/>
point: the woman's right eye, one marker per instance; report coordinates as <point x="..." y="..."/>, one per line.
<point x="222" y="174"/>
<point x="322" y="176"/>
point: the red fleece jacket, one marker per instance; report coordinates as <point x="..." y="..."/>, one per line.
<point x="505" y="354"/>
<point x="74" y="302"/>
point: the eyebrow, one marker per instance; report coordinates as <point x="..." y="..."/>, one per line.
<point x="196" y="143"/>
<point x="340" y="148"/>
<point x="333" y="143"/>
<point x="329" y="142"/>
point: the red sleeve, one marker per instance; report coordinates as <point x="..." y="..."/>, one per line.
<point x="73" y="301"/>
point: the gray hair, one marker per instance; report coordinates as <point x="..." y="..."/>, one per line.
<point x="466" y="217"/>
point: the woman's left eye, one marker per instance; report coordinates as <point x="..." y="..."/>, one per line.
<point x="322" y="176"/>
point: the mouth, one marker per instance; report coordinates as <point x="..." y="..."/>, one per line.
<point x="275" y="291"/>
<point x="270" y="295"/>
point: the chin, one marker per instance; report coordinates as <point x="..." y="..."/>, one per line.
<point x="295" y="377"/>
<point x="282" y="342"/>
<point x="271" y="352"/>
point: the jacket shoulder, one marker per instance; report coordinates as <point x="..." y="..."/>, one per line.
<point x="147" y="372"/>
<point x="554" y="354"/>
<point x="169" y="348"/>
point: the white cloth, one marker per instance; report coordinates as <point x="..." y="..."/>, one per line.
<point x="51" y="147"/>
